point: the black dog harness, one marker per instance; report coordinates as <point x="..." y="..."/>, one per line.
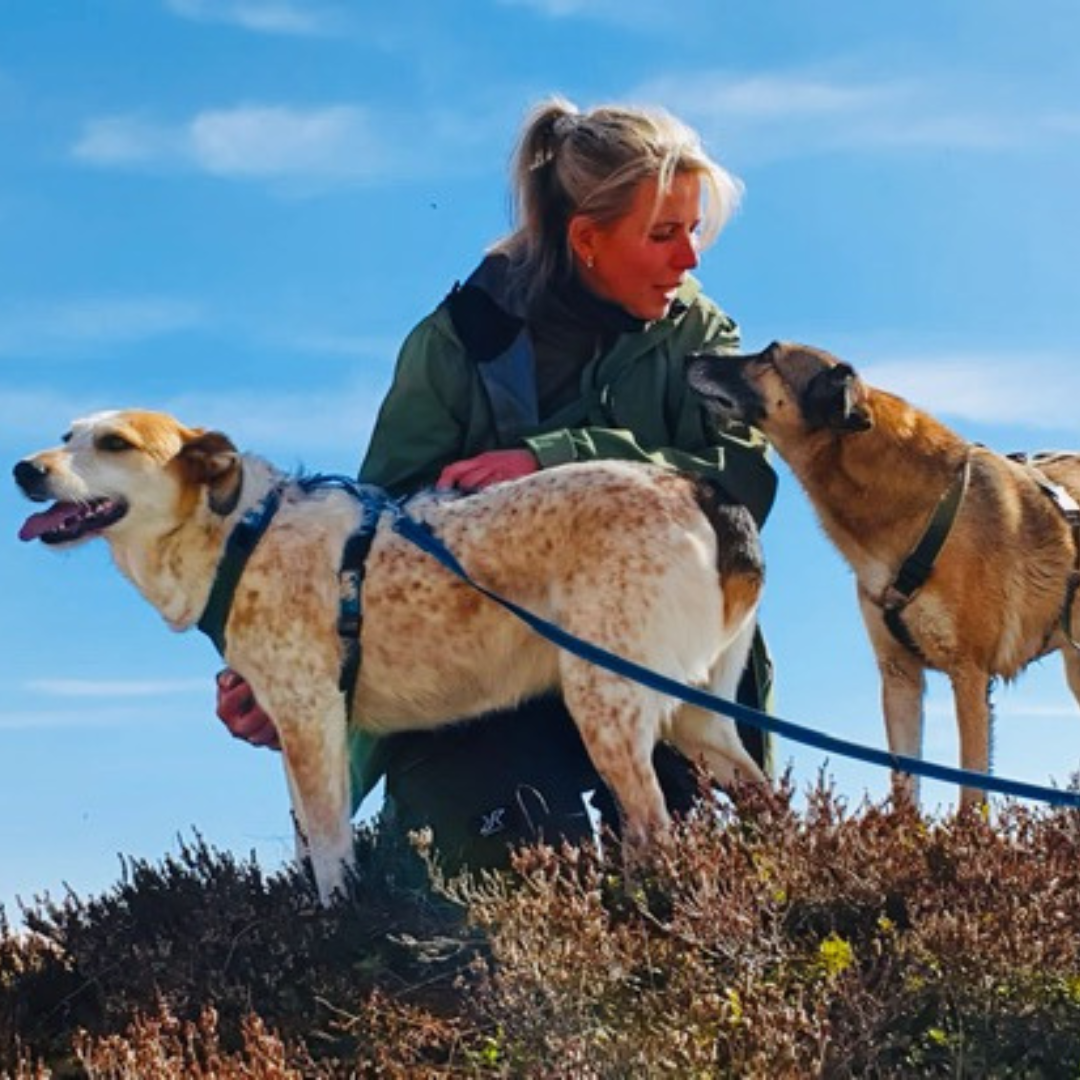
<point x="245" y="538"/>
<point x="919" y="565"/>
<point x="916" y="569"/>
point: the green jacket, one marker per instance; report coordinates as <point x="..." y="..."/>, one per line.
<point x="635" y="404"/>
<point x="448" y="402"/>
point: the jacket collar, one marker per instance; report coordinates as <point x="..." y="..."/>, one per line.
<point x="493" y="277"/>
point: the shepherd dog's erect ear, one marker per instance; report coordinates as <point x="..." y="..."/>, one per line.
<point x="211" y="459"/>
<point x="836" y="399"/>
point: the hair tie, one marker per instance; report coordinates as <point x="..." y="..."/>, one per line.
<point x="563" y="125"/>
<point x="551" y="138"/>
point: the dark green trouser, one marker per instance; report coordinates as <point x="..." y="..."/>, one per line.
<point x="518" y="776"/>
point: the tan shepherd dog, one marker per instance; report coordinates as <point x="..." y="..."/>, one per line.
<point x="996" y="536"/>
<point x="647" y="563"/>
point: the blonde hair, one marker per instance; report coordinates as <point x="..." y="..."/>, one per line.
<point x="569" y="162"/>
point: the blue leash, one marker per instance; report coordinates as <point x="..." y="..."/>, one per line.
<point x="422" y="536"/>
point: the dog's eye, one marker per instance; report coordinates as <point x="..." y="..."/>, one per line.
<point x="112" y="443"/>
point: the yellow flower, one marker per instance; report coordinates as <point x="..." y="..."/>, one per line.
<point x="735" y="1009"/>
<point x="835" y="955"/>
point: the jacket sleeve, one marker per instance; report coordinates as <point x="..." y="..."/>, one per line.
<point x="421" y="424"/>
<point x="735" y="457"/>
<point x="739" y="464"/>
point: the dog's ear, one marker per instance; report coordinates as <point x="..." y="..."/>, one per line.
<point x="212" y="460"/>
<point x="836" y="399"/>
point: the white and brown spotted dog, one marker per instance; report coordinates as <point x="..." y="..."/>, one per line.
<point x="644" y="562"/>
<point x="1001" y="590"/>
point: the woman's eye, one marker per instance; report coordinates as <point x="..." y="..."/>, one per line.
<point x="113" y="443"/>
<point x="671" y="233"/>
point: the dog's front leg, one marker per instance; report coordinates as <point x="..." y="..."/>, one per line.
<point x="903" y="687"/>
<point x="971" y="689"/>
<point x="314" y="747"/>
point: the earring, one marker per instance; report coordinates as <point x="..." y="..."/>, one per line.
<point x="590" y="262"/>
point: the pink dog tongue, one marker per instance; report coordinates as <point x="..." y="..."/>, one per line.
<point x="46" y="521"/>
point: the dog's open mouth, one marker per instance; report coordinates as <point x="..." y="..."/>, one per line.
<point x="66" y="522"/>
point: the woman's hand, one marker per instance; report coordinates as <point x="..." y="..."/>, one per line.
<point x="241" y="713"/>
<point x="478" y="472"/>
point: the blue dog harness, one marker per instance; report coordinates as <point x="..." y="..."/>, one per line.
<point x="245" y="538"/>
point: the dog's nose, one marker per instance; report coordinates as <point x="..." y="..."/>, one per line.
<point x="30" y="476"/>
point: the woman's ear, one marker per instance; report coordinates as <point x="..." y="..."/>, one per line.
<point x="581" y="232"/>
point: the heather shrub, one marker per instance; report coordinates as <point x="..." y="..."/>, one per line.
<point x="772" y="942"/>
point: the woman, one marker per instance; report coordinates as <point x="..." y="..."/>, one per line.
<point x="566" y="344"/>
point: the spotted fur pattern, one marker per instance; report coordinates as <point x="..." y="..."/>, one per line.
<point x="618" y="554"/>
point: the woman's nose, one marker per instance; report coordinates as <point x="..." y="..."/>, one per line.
<point x="686" y="253"/>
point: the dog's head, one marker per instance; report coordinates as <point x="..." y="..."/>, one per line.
<point x="126" y="470"/>
<point x="787" y="390"/>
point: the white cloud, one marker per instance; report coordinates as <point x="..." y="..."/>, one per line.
<point x="35" y="329"/>
<point x="116" y="688"/>
<point x="348" y="346"/>
<point x="1062" y="123"/>
<point x="957" y="131"/>
<point x="647" y="16"/>
<point x="330" y="420"/>
<point x="277" y="142"/>
<point x="338" y="140"/>
<point x="79" y="716"/>
<point x="325" y="428"/>
<point x="788" y="114"/>
<point x="1039" y="393"/>
<point x="93" y="711"/>
<point x="31" y="417"/>
<point x="261" y="16"/>
<point x="126" y="140"/>
<point x="559" y="9"/>
<point x="69" y="327"/>
<point x="786" y="96"/>
<point x="1007" y="708"/>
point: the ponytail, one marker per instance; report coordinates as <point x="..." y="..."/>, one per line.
<point x="567" y="162"/>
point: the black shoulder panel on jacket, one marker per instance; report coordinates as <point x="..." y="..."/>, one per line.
<point x="485" y="329"/>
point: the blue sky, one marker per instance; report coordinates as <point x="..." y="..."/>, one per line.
<point x="235" y="209"/>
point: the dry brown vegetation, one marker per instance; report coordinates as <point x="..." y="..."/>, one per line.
<point x="822" y="941"/>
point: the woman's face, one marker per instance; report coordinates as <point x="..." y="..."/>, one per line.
<point x="640" y="260"/>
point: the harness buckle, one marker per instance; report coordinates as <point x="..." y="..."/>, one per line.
<point x="348" y="623"/>
<point x="894" y="598"/>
